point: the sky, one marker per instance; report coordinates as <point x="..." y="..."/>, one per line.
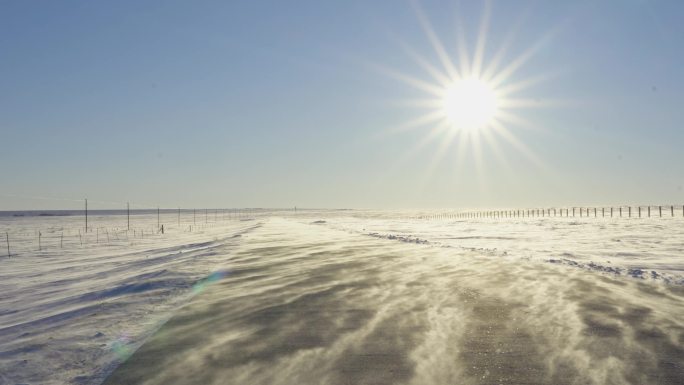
<point x="309" y="104"/>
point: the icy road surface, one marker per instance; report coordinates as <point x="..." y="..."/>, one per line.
<point x="304" y="303"/>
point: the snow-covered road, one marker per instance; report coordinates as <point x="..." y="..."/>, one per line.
<point x="346" y="297"/>
<point x="306" y="303"/>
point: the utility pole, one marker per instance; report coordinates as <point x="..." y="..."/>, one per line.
<point x="86" y="215"/>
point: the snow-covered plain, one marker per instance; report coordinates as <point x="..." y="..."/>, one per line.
<point x="348" y="297"/>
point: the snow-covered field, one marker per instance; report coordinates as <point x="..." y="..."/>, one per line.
<point x="346" y="297"/>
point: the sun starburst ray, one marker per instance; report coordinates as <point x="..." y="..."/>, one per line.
<point x="521" y="85"/>
<point x="463" y="55"/>
<point x="435" y="42"/>
<point x="516" y="120"/>
<point x="519" y="103"/>
<point x="518" y="144"/>
<point x="478" y="56"/>
<point x="434" y="134"/>
<point x="436" y="74"/>
<point x="438" y="155"/>
<point x="423" y="103"/>
<point x="491" y="69"/>
<point x="422" y="85"/>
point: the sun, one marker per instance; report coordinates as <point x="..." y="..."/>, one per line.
<point x="469" y="104"/>
<point x="472" y="98"/>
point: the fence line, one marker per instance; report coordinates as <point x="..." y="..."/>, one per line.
<point x="558" y="212"/>
<point x="28" y="239"/>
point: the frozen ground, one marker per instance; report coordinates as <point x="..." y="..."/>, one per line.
<point x="353" y="298"/>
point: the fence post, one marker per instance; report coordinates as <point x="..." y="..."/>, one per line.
<point x="86" y="215"/>
<point x="8" y="247"/>
<point x="649" y="211"/>
<point x="629" y="211"/>
<point x="672" y="210"/>
<point x="39" y="245"/>
<point x="660" y="211"/>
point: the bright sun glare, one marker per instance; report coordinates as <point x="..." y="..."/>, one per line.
<point x="469" y="104"/>
<point x="471" y="99"/>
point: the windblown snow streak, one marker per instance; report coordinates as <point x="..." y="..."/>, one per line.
<point x="304" y="303"/>
<point x="70" y="315"/>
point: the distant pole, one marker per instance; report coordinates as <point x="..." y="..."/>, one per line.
<point x="620" y="211"/>
<point x="660" y="211"/>
<point x="8" y="248"/>
<point x="672" y="210"/>
<point x="86" y="215"/>
<point x="157" y="218"/>
<point x="179" y="217"/>
<point x="194" y="216"/>
<point x="128" y="215"/>
<point x="206" y="218"/>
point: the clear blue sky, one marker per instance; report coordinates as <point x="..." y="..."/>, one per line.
<point x="277" y="104"/>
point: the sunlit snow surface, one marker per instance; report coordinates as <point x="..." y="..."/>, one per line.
<point x="352" y="297"/>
